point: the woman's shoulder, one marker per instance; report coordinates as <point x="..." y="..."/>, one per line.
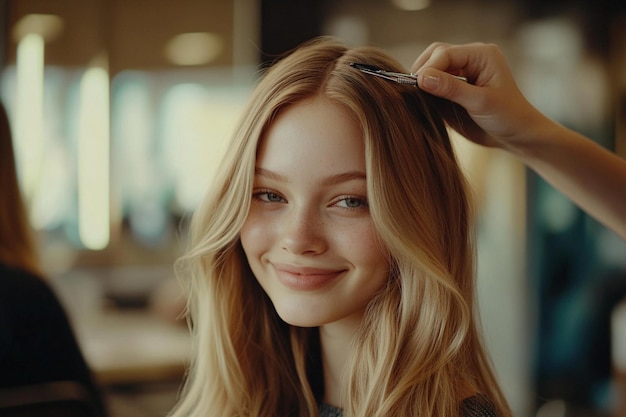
<point x="18" y="279"/>
<point x="22" y="290"/>
<point x="478" y="406"/>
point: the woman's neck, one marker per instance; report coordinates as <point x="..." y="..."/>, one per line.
<point x="336" y="343"/>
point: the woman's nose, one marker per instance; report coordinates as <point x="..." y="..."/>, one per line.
<point x="303" y="232"/>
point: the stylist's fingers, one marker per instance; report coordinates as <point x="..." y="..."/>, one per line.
<point x="426" y="55"/>
<point x="444" y="85"/>
<point x="479" y="62"/>
<point x="455" y="59"/>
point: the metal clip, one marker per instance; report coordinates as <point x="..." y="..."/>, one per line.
<point x="397" y="77"/>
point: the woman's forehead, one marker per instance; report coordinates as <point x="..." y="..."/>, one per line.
<point x="313" y="134"/>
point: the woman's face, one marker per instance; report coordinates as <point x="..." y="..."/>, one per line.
<point x="309" y="237"/>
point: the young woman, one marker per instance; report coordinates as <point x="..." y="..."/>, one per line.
<point x="331" y="268"/>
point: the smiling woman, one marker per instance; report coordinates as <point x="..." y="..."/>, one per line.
<point x="313" y="246"/>
<point x="330" y="270"/>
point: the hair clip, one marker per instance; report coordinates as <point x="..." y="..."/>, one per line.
<point x="397" y="77"/>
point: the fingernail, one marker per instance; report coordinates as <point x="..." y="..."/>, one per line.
<point x="430" y="82"/>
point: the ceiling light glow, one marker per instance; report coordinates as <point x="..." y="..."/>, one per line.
<point x="411" y="5"/>
<point x="197" y="48"/>
<point x="48" y="26"/>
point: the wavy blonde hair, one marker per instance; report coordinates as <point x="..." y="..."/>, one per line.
<point x="17" y="246"/>
<point x="418" y="345"/>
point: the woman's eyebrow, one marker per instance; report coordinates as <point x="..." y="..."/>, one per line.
<point x="262" y="172"/>
<point x="330" y="180"/>
<point x="344" y="177"/>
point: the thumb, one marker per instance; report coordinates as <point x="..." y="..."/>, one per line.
<point x="444" y="85"/>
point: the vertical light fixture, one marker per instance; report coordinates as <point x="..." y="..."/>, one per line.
<point x="28" y="117"/>
<point x="93" y="159"/>
<point x="31" y="33"/>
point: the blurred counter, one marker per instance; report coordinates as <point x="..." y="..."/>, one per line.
<point x="125" y="345"/>
<point x="129" y="346"/>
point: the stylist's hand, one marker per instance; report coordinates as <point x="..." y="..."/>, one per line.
<point x="494" y="112"/>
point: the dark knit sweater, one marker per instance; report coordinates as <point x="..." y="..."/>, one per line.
<point x="476" y="406"/>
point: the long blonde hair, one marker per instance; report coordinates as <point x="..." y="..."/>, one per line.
<point x="418" y="344"/>
<point x="17" y="247"/>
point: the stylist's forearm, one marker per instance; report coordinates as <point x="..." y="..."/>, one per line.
<point x="591" y="176"/>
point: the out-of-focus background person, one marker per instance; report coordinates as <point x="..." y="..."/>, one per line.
<point x="37" y="342"/>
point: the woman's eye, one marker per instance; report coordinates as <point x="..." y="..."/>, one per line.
<point x="269" y="197"/>
<point x="352" y="203"/>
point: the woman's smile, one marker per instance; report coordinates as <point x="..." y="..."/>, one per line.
<point x="305" y="278"/>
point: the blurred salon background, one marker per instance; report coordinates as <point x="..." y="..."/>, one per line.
<point x="121" y="110"/>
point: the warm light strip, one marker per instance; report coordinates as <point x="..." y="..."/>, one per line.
<point x="28" y="117"/>
<point x="93" y="160"/>
<point x="411" y="5"/>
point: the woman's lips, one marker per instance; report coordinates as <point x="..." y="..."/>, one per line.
<point x="305" y="278"/>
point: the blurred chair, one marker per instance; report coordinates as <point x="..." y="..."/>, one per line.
<point x="54" y="399"/>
